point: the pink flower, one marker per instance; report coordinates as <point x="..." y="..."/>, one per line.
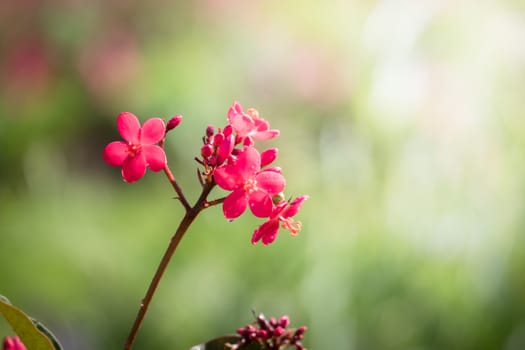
<point x="140" y="150"/>
<point x="284" y="213"/>
<point x="249" y="184"/>
<point x="13" y="343"/>
<point x="249" y="125"/>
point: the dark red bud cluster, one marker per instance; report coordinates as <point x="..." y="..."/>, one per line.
<point x="217" y="146"/>
<point x="272" y="333"/>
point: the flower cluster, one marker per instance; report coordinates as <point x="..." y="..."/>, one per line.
<point x="230" y="160"/>
<point x="248" y="175"/>
<point x="271" y="334"/>
<point x="13" y="343"/>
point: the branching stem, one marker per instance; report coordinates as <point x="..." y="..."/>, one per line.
<point x="189" y="217"/>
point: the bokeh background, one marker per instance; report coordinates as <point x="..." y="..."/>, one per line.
<point x="403" y="120"/>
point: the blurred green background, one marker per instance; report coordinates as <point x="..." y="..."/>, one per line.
<point x="403" y="120"/>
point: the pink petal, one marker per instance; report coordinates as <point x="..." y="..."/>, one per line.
<point x="225" y="148"/>
<point x="235" y="109"/>
<point x="268" y="156"/>
<point x="134" y="168"/>
<point x="235" y="204"/>
<point x="261" y="124"/>
<point x="129" y="127"/>
<point x="227" y="177"/>
<point x="260" y="204"/>
<point x="248" y="163"/>
<point x="267" y="231"/>
<point x="270" y="181"/>
<point x="266" y="135"/>
<point x="294" y="207"/>
<point x="115" y="153"/>
<point x="242" y="124"/>
<point x="152" y="131"/>
<point x="155" y="157"/>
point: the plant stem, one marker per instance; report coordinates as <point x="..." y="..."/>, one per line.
<point x="177" y="188"/>
<point x="189" y="217"/>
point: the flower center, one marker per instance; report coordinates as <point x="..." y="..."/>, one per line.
<point x="133" y="150"/>
<point x="250" y="186"/>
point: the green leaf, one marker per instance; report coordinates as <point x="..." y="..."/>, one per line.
<point x="48" y="334"/>
<point x="220" y="344"/>
<point x="26" y="328"/>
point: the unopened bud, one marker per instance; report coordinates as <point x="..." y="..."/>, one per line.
<point x="268" y="156"/>
<point x="210" y="130"/>
<point x="278" y="331"/>
<point x="300" y="331"/>
<point x="228" y="129"/>
<point x="174" y="122"/>
<point x="284" y="321"/>
<point x="217" y="139"/>
<point x="206" y="151"/>
<point x="262" y="334"/>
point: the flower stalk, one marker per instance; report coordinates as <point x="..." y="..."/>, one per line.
<point x="190" y="215"/>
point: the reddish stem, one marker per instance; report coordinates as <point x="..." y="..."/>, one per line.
<point x="189" y="217"/>
<point x="176" y="187"/>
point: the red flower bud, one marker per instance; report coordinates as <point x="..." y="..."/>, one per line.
<point x="300" y="331"/>
<point x="262" y="334"/>
<point x="206" y="151"/>
<point x="284" y="321"/>
<point x="278" y="331"/>
<point x="210" y="130"/>
<point x="268" y="156"/>
<point x="228" y="130"/>
<point x="217" y="139"/>
<point x="174" y="122"/>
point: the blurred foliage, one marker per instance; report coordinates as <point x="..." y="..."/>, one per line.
<point x="403" y="120"/>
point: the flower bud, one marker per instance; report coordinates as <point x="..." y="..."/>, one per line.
<point x="218" y="138"/>
<point x="284" y="321"/>
<point x="228" y="130"/>
<point x="210" y="130"/>
<point x="262" y="334"/>
<point x="278" y="331"/>
<point x="206" y="151"/>
<point x="225" y="149"/>
<point x="300" y="331"/>
<point x="268" y="156"/>
<point x="174" y="122"/>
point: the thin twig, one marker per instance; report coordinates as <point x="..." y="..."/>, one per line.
<point x="214" y="202"/>
<point x="177" y="188"/>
